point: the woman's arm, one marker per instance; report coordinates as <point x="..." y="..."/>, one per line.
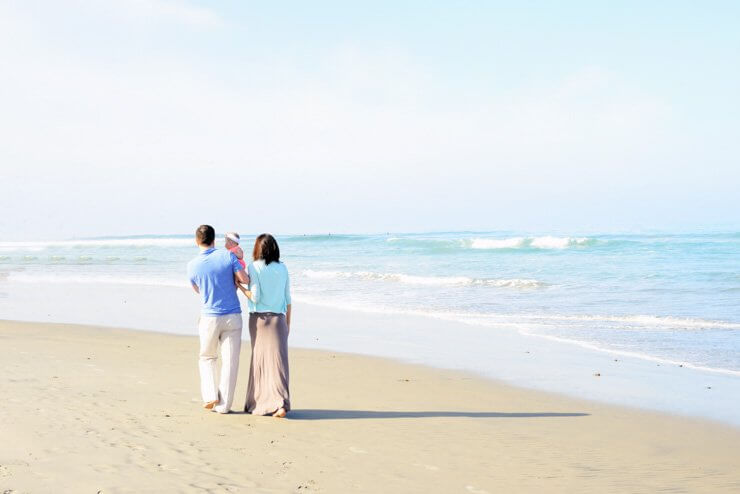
<point x="254" y="289"/>
<point x="287" y="317"/>
<point x="288" y="302"/>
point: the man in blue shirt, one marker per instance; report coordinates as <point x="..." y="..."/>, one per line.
<point x="213" y="275"/>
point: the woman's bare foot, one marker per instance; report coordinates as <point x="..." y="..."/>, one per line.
<point x="280" y="413"/>
<point x="210" y="404"/>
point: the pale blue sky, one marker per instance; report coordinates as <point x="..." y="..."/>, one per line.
<point x="147" y="116"/>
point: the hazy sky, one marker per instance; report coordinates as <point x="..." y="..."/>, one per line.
<point x="152" y="116"/>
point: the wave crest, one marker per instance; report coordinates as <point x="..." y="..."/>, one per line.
<point x="424" y="280"/>
<point x="491" y="243"/>
<point x="545" y="242"/>
<point x="97" y="243"/>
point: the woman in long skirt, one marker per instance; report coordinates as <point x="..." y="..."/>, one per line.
<point x="269" y="324"/>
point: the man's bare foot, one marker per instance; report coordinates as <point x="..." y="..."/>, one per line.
<point x="280" y="413"/>
<point x="210" y="404"/>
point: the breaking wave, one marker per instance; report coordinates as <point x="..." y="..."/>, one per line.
<point x="546" y="242"/>
<point x="423" y="280"/>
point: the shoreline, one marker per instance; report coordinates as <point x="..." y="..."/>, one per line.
<point x="462" y="373"/>
<point x="505" y="355"/>
<point x="101" y="406"/>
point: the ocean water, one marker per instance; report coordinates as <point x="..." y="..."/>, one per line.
<point x="667" y="298"/>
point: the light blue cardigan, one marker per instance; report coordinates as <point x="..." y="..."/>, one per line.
<point x="270" y="287"/>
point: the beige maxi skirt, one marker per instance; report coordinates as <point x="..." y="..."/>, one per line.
<point x="268" y="389"/>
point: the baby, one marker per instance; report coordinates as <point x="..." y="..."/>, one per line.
<point x="231" y="242"/>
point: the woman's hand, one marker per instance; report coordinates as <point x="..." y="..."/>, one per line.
<point x="246" y="292"/>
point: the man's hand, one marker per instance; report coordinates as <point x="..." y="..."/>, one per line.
<point x="195" y="288"/>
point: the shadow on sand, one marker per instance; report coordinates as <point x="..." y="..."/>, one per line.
<point x="369" y="414"/>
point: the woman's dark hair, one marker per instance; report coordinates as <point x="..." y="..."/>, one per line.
<point x="205" y="235"/>
<point x="266" y="248"/>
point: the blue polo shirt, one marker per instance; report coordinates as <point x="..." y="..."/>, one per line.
<point x="213" y="273"/>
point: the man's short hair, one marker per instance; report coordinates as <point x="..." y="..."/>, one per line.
<point x="205" y="235"/>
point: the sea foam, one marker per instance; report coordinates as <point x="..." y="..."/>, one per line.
<point x="94" y="279"/>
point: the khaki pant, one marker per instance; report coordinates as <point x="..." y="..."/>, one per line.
<point x="224" y="331"/>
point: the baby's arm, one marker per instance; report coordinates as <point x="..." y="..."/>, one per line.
<point x="238" y="252"/>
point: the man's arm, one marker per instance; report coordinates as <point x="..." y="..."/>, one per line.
<point x="192" y="278"/>
<point x="242" y="277"/>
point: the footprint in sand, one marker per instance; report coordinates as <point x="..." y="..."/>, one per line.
<point x="4" y="471"/>
<point x="105" y="469"/>
<point x="473" y="490"/>
<point x="357" y="450"/>
<point x="428" y="467"/>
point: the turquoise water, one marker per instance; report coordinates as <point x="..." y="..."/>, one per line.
<point x="667" y="298"/>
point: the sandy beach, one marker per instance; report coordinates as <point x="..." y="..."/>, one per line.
<point x="93" y="409"/>
<point x="477" y="247"/>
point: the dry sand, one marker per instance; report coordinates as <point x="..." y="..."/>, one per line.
<point x="102" y="410"/>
